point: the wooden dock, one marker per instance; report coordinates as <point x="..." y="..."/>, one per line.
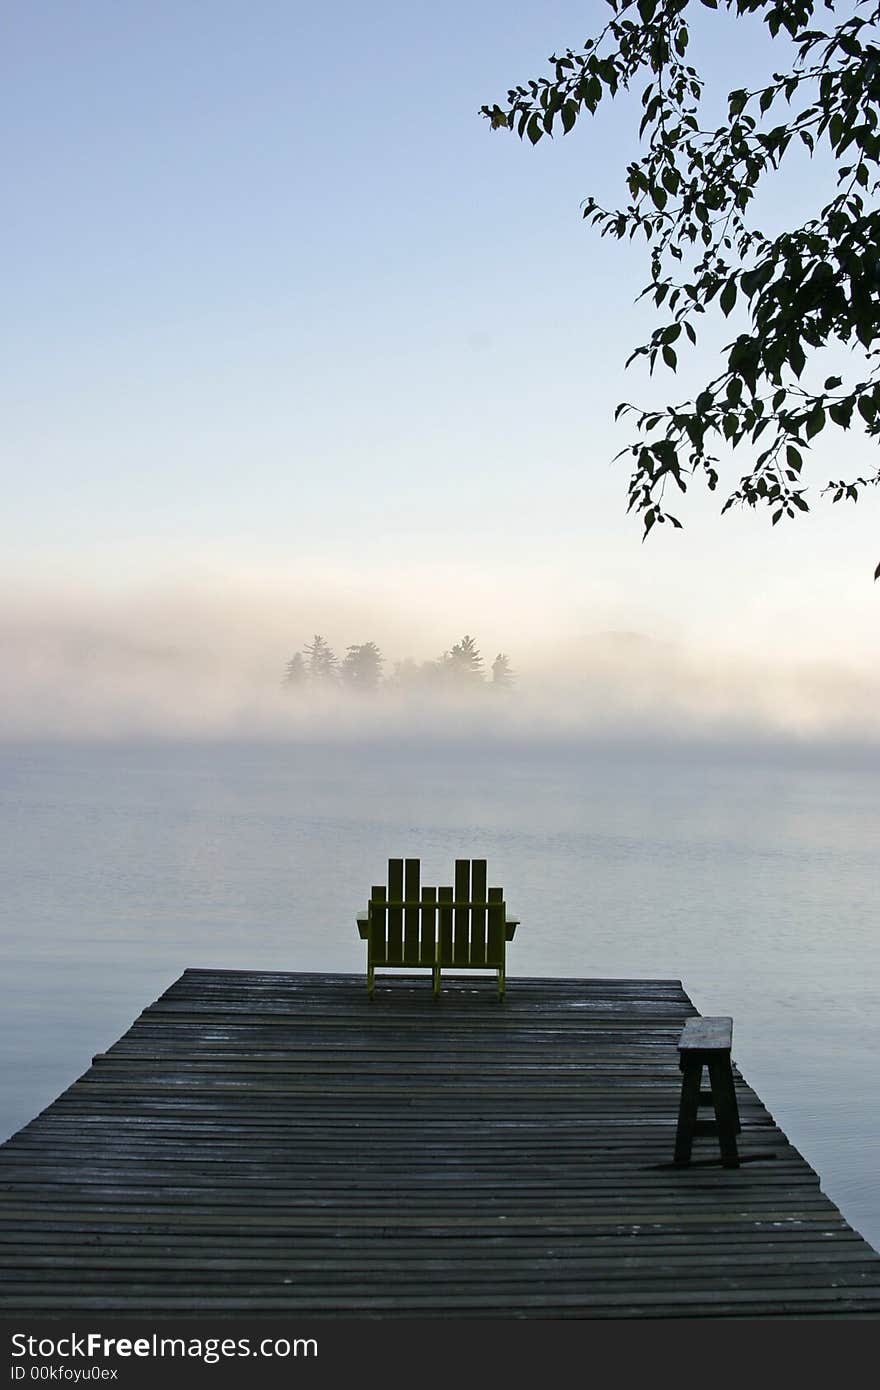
<point x="274" y="1143"/>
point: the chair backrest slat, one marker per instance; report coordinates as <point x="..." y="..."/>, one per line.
<point x="495" y="936"/>
<point x="478" y="912"/>
<point x="395" y="914"/>
<point x="411" y="893"/>
<point x="444" y="926"/>
<point x="378" y="925"/>
<point x="428" y="943"/>
<point x="461" y="928"/>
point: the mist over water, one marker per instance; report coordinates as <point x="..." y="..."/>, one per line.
<point x="179" y="665"/>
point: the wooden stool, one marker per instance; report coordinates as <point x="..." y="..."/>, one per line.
<point x="706" y="1042"/>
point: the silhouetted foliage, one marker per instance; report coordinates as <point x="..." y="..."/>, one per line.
<point x="321" y="663"/>
<point x="464" y="662"/>
<point x="502" y="676"/>
<point x="295" y="674"/>
<point x="809" y="287"/>
<point x="361" y="670"/>
<point x="362" y="667"/>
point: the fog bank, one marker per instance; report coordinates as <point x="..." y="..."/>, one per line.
<point x="212" y="667"/>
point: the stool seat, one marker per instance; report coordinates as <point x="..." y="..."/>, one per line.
<point x="706" y="1042"/>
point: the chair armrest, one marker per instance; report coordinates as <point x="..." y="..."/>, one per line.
<point x="510" y="926"/>
<point x="363" y="921"/>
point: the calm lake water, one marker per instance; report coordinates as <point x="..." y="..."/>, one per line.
<point x="750" y="876"/>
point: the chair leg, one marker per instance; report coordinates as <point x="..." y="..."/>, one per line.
<point x="436" y="974"/>
<point x="371" y="984"/>
<point x="501" y="982"/>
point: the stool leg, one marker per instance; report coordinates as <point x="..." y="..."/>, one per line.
<point x="692" y="1073"/>
<point x="733" y="1101"/>
<point x="726" y="1113"/>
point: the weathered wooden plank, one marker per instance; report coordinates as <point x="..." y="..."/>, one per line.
<point x="706" y="1035"/>
<point x="270" y="1142"/>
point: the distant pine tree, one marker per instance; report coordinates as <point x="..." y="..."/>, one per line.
<point x="503" y="678"/>
<point x="295" y="673"/>
<point x="464" y="662"/>
<point x="321" y="664"/>
<point x="362" y="667"/>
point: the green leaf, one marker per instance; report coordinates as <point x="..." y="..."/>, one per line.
<point x="850" y="45"/>
<point x="796" y="358"/>
<point x="727" y="298"/>
<point x="815" y="421"/>
<point x="836" y="127"/>
<point x="669" y="357"/>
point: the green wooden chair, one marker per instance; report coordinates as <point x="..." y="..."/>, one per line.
<point x="406" y="925"/>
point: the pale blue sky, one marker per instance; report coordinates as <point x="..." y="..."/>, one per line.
<point x="281" y="311"/>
